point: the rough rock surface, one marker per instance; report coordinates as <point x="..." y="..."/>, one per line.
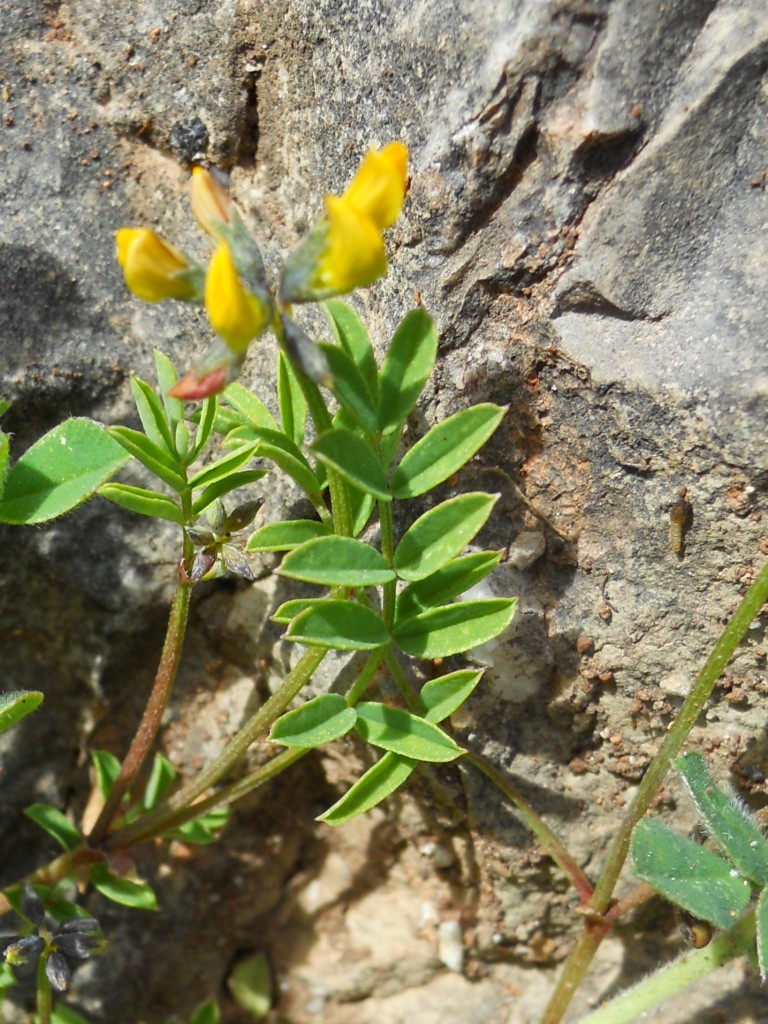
<point x="587" y="223"/>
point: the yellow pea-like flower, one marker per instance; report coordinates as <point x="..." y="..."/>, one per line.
<point x="211" y="206"/>
<point x="354" y="254"/>
<point x="153" y="269"/>
<point x="378" y="188"/>
<point x="236" y="314"/>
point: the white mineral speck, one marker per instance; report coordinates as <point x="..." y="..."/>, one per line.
<point x="451" y="946"/>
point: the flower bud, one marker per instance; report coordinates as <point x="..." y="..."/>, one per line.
<point x="153" y="269"/>
<point x="237" y="315"/>
<point x="57" y="972"/>
<point x="210" y="203"/>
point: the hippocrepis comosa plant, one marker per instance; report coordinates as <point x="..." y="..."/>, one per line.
<point x="389" y="596"/>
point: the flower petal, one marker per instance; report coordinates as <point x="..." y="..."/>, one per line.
<point x="236" y="314"/>
<point x="378" y="188"/>
<point x="153" y="269"/>
<point x="211" y="205"/>
<point x="354" y="256"/>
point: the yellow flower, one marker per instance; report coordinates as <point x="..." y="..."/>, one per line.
<point x="378" y="188"/>
<point x="345" y="249"/>
<point x="237" y="315"/>
<point x="153" y="269"/>
<point x="354" y="254"/>
<point x="211" y="205"/>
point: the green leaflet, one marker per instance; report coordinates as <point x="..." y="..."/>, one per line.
<point x="142" y="501"/>
<point x="403" y="733"/>
<point x="444" y="695"/>
<point x="381" y="780"/>
<point x="336" y="561"/>
<point x="354" y="459"/>
<point x="444" y="449"/>
<point x="350" y="333"/>
<point x="738" y="836"/>
<point x="407" y="365"/>
<point x="351" y="389"/>
<point x="286" y="535"/>
<point x="440" y="534"/>
<point x="453" y="628"/>
<point x="688" y="874"/>
<point x="16" y="705"/>
<point x="121" y="890"/>
<point x="320" y="720"/>
<point x="62" y="470"/>
<point x="55" y="824"/>
<point x="342" y="625"/>
<point x="442" y="586"/>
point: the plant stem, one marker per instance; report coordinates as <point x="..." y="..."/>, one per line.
<point x="153" y="713"/>
<point x="388" y="552"/>
<point x="578" y="963"/>
<point x="551" y="844"/>
<point x="166" y="815"/>
<point x="44" y="1004"/>
<point x="358" y="688"/>
<point x="675" y="977"/>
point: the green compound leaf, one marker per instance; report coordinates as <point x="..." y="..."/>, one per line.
<point x="379" y="782"/>
<point x="17" y="704"/>
<point x="403" y="733"/>
<point x="107" y="769"/>
<point x="286" y="535"/>
<point x="761" y="927"/>
<point x="251" y="410"/>
<point x="161" y="778"/>
<point x="442" y="586"/>
<point x="320" y="720"/>
<point x="350" y="388"/>
<point x="144" y="502"/>
<point x="688" y="874"/>
<point x="442" y="696"/>
<point x="290" y="609"/>
<point x="730" y="825"/>
<point x="408" y="364"/>
<point x="152" y="415"/>
<point x="122" y="890"/>
<point x="350" y="333"/>
<point x="60" y="471"/>
<point x="453" y="628"/>
<point x="444" y="449"/>
<point x="225" y="486"/>
<point x="205" y="1013"/>
<point x="155" y="459"/>
<point x="354" y="459"/>
<point x="336" y="561"/>
<point x="342" y="625"/>
<point x="166" y="378"/>
<point x="55" y="824"/>
<point x="440" y="534"/>
<point x="290" y="398"/>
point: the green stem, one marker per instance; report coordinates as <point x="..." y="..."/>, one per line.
<point x="388" y="551"/>
<point x="153" y="713"/>
<point x="158" y="820"/>
<point x="675" y="977"/>
<point x="367" y="672"/>
<point x="403" y="683"/>
<point x="551" y="844"/>
<point x="578" y="963"/>
<point x="44" y="1003"/>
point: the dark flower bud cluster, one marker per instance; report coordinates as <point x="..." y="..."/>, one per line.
<point x="63" y="944"/>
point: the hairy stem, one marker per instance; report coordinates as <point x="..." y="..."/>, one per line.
<point x="578" y="963"/>
<point x="673" y="978"/>
<point x="153" y="713"/>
